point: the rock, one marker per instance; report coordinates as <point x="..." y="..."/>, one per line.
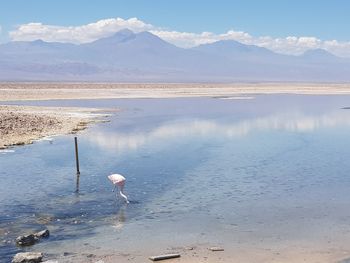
<point x="29" y="240"/>
<point x="26" y="240"/>
<point x="27" y="257"/>
<point x="42" y="234"/>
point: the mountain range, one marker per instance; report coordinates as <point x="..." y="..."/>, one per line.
<point x="143" y="57"/>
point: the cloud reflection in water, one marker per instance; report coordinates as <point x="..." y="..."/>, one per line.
<point x="293" y="122"/>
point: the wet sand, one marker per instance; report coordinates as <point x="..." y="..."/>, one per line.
<point x="21" y="125"/>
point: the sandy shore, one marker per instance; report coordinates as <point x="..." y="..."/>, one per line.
<point x="46" y="91"/>
<point x="23" y="124"/>
<point x="201" y="253"/>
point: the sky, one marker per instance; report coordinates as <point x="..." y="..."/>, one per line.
<point x="285" y="26"/>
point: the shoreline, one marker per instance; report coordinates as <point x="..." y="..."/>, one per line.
<point x="64" y="91"/>
<point x="20" y="121"/>
<point x="21" y="125"/>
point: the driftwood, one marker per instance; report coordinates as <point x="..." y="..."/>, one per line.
<point x="216" y="249"/>
<point x="166" y="256"/>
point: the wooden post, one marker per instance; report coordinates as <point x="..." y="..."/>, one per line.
<point x="77" y="183"/>
<point x="76" y="154"/>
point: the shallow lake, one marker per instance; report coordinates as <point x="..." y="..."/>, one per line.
<point x="267" y="172"/>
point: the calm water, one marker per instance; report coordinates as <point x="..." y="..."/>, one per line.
<point x="203" y="170"/>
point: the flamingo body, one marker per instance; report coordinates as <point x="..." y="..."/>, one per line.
<point x="119" y="180"/>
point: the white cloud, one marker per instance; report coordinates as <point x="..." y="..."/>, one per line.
<point x="103" y="28"/>
<point x="185" y="39"/>
<point x="289" y="45"/>
<point x="77" y="34"/>
<point x="292" y="122"/>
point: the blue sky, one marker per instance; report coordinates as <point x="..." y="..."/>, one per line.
<point x="325" y="19"/>
<point x="322" y="19"/>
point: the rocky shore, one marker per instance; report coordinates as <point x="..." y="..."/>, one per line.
<point x="23" y="124"/>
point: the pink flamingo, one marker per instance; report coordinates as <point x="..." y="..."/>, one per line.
<point x="119" y="180"/>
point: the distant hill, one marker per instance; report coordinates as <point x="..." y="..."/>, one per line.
<point x="235" y="50"/>
<point x="131" y="57"/>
